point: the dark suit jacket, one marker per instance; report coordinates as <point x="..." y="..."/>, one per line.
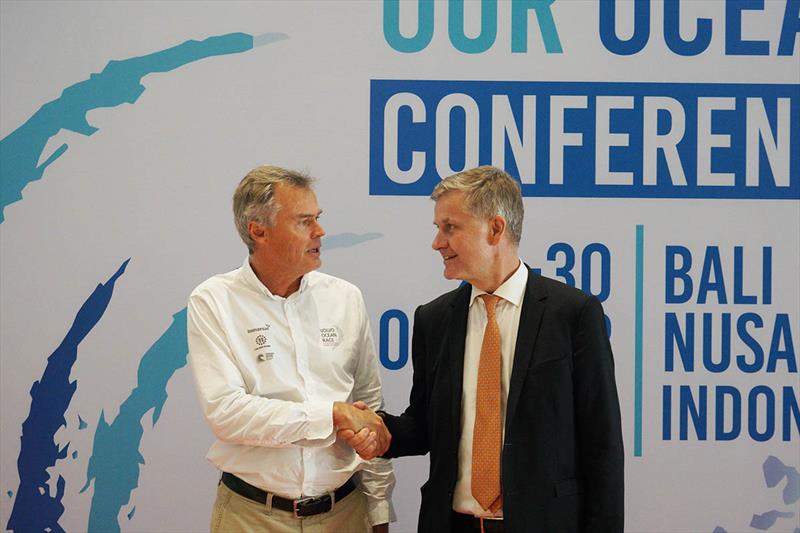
<point x="562" y="457"/>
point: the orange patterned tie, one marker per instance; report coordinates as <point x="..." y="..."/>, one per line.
<point x="486" y="439"/>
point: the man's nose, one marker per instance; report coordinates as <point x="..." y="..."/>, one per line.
<point x="438" y="242"/>
<point x="319" y="231"/>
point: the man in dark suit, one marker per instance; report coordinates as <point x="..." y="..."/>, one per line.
<point x="513" y="391"/>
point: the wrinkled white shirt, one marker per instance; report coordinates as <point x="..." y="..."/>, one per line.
<point x="507" y="312"/>
<point x="267" y="371"/>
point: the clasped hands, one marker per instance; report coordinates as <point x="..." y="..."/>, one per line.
<point x="361" y="428"/>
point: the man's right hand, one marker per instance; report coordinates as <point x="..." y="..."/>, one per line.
<point x="361" y="428"/>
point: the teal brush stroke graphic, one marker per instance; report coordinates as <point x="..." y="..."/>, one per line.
<point x="115" y="460"/>
<point x="345" y="240"/>
<point x="34" y="507"/>
<point x="20" y="152"/>
<point x="119" y="83"/>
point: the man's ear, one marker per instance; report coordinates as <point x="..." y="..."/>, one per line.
<point x="256" y="230"/>
<point x="497" y="228"/>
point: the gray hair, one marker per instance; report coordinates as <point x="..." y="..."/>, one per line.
<point x="254" y="199"/>
<point x="489" y="191"/>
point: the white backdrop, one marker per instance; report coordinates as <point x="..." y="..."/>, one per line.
<point x="309" y="85"/>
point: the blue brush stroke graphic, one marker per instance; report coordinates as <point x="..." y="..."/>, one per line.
<point x="81" y="423"/>
<point x="115" y="460"/>
<point x="775" y="471"/>
<point x="34" y="508"/>
<point x="345" y="240"/>
<point x="119" y="83"/>
<point x="133" y="512"/>
<point x="768" y="519"/>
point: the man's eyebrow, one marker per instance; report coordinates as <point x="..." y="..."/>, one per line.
<point x="309" y="215"/>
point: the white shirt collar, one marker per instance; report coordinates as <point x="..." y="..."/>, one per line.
<point x="512" y="290"/>
<point x="250" y="278"/>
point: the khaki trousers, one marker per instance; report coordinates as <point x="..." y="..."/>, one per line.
<point x="234" y="514"/>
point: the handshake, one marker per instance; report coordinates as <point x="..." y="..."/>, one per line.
<point x="361" y="428"/>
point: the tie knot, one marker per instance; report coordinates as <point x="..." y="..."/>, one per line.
<point x="490" y="300"/>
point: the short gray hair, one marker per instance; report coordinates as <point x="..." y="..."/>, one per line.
<point x="489" y="191"/>
<point x="254" y="199"/>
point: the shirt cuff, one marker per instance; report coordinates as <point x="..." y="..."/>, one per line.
<point x="320" y="420"/>
<point x="380" y="511"/>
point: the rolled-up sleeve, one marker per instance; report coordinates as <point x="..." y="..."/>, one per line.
<point x="377" y="482"/>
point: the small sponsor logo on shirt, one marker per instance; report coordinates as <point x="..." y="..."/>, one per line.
<point x="260" y="339"/>
<point x="330" y="337"/>
<point x="265" y="357"/>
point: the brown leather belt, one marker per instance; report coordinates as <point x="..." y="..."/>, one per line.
<point x="300" y="508"/>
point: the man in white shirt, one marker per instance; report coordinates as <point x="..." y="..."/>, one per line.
<point x="279" y="352"/>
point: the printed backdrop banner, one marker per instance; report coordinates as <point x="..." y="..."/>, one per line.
<point x="657" y="144"/>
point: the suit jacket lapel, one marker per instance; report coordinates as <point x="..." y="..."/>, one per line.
<point x="529" y="321"/>
<point x="454" y="349"/>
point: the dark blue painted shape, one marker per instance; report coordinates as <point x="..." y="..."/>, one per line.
<point x="35" y="509"/>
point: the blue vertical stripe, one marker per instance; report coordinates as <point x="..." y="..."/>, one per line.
<point x="639" y="295"/>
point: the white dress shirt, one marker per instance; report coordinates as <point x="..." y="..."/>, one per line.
<point x="507" y="313"/>
<point x="267" y="371"/>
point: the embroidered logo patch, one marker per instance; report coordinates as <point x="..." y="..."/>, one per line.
<point x="330" y="337"/>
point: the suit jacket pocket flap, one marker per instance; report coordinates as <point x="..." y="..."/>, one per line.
<point x="550" y="362"/>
